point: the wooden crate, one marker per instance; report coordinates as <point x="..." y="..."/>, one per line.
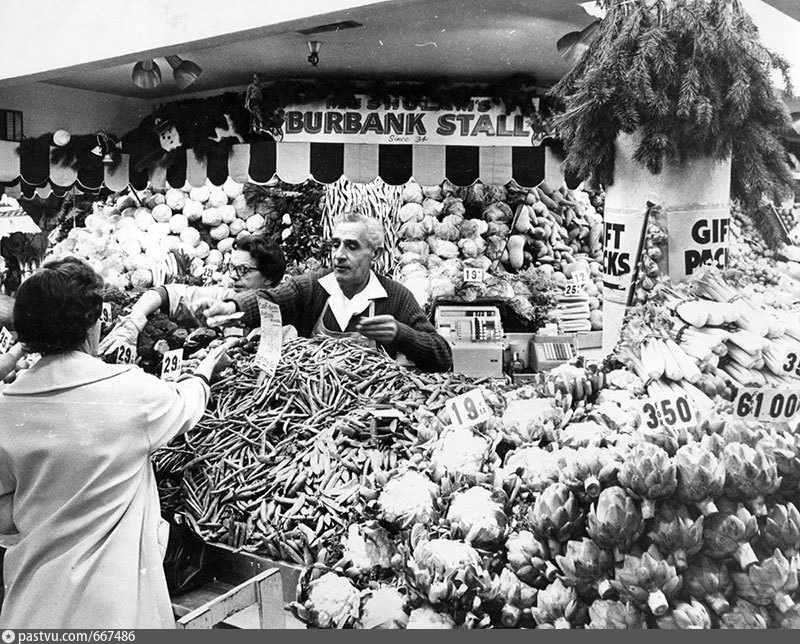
<point x="262" y="594"/>
<point x="230" y="568"/>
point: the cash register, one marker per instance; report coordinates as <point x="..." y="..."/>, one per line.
<point x="475" y="335"/>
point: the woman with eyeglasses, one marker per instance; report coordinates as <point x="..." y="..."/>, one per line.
<point x="256" y="263"/>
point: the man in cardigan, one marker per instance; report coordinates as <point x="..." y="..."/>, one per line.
<point x="350" y="301"/>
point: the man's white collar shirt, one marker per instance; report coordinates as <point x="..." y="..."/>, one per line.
<point x="344" y="308"/>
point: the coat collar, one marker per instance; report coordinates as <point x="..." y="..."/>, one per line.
<point x="63" y="371"/>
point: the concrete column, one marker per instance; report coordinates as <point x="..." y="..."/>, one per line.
<point x="696" y="199"/>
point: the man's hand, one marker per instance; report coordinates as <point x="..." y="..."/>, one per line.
<point x="381" y="328"/>
<point x="213" y="310"/>
<point x="125" y="332"/>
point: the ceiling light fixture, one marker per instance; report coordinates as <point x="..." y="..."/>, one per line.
<point x="331" y="26"/>
<point x="146" y="74"/>
<point x="185" y="72"/>
<point x="573" y="45"/>
<point x="314" y="47"/>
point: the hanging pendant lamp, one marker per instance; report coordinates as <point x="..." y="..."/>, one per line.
<point x="146" y="74"/>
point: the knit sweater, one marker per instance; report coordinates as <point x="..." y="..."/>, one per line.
<point x="302" y="300"/>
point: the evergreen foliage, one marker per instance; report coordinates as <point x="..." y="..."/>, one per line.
<point x="693" y="78"/>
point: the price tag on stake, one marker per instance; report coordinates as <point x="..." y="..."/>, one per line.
<point x="105" y="315"/>
<point x="580" y="277"/>
<point x="473" y="274"/>
<point x="675" y="412"/>
<point x="6" y="340"/>
<point x="171" y="364"/>
<point x="791" y="364"/>
<point x="572" y="290"/>
<point x="269" y="348"/>
<point x="126" y="354"/>
<point x="772" y="405"/>
<point x="468" y="409"/>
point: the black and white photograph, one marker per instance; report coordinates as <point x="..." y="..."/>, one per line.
<point x="398" y="314"/>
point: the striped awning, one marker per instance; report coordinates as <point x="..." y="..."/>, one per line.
<point x="16" y="220"/>
<point x="292" y="163"/>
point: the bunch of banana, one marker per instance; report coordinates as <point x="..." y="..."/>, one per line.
<point x="572" y="390"/>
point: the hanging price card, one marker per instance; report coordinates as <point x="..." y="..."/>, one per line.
<point x="468" y="409"/>
<point x="105" y="315"/>
<point x="675" y="412"/>
<point x="269" y="348"/>
<point x="171" y="364"/>
<point x="126" y="354"/>
<point x="6" y="340"/>
<point x="775" y="405"/>
<point x="473" y="274"/>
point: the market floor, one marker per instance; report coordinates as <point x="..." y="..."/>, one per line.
<point x="248" y="619"/>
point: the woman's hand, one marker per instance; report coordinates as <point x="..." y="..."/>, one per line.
<point x="215" y="311"/>
<point x="216" y="359"/>
<point x="124" y="333"/>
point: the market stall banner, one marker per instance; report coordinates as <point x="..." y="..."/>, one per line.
<point x="406" y="121"/>
<point x="292" y="163"/>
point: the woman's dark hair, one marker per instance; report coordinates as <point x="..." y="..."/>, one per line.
<point x="55" y="306"/>
<point x="269" y="256"/>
